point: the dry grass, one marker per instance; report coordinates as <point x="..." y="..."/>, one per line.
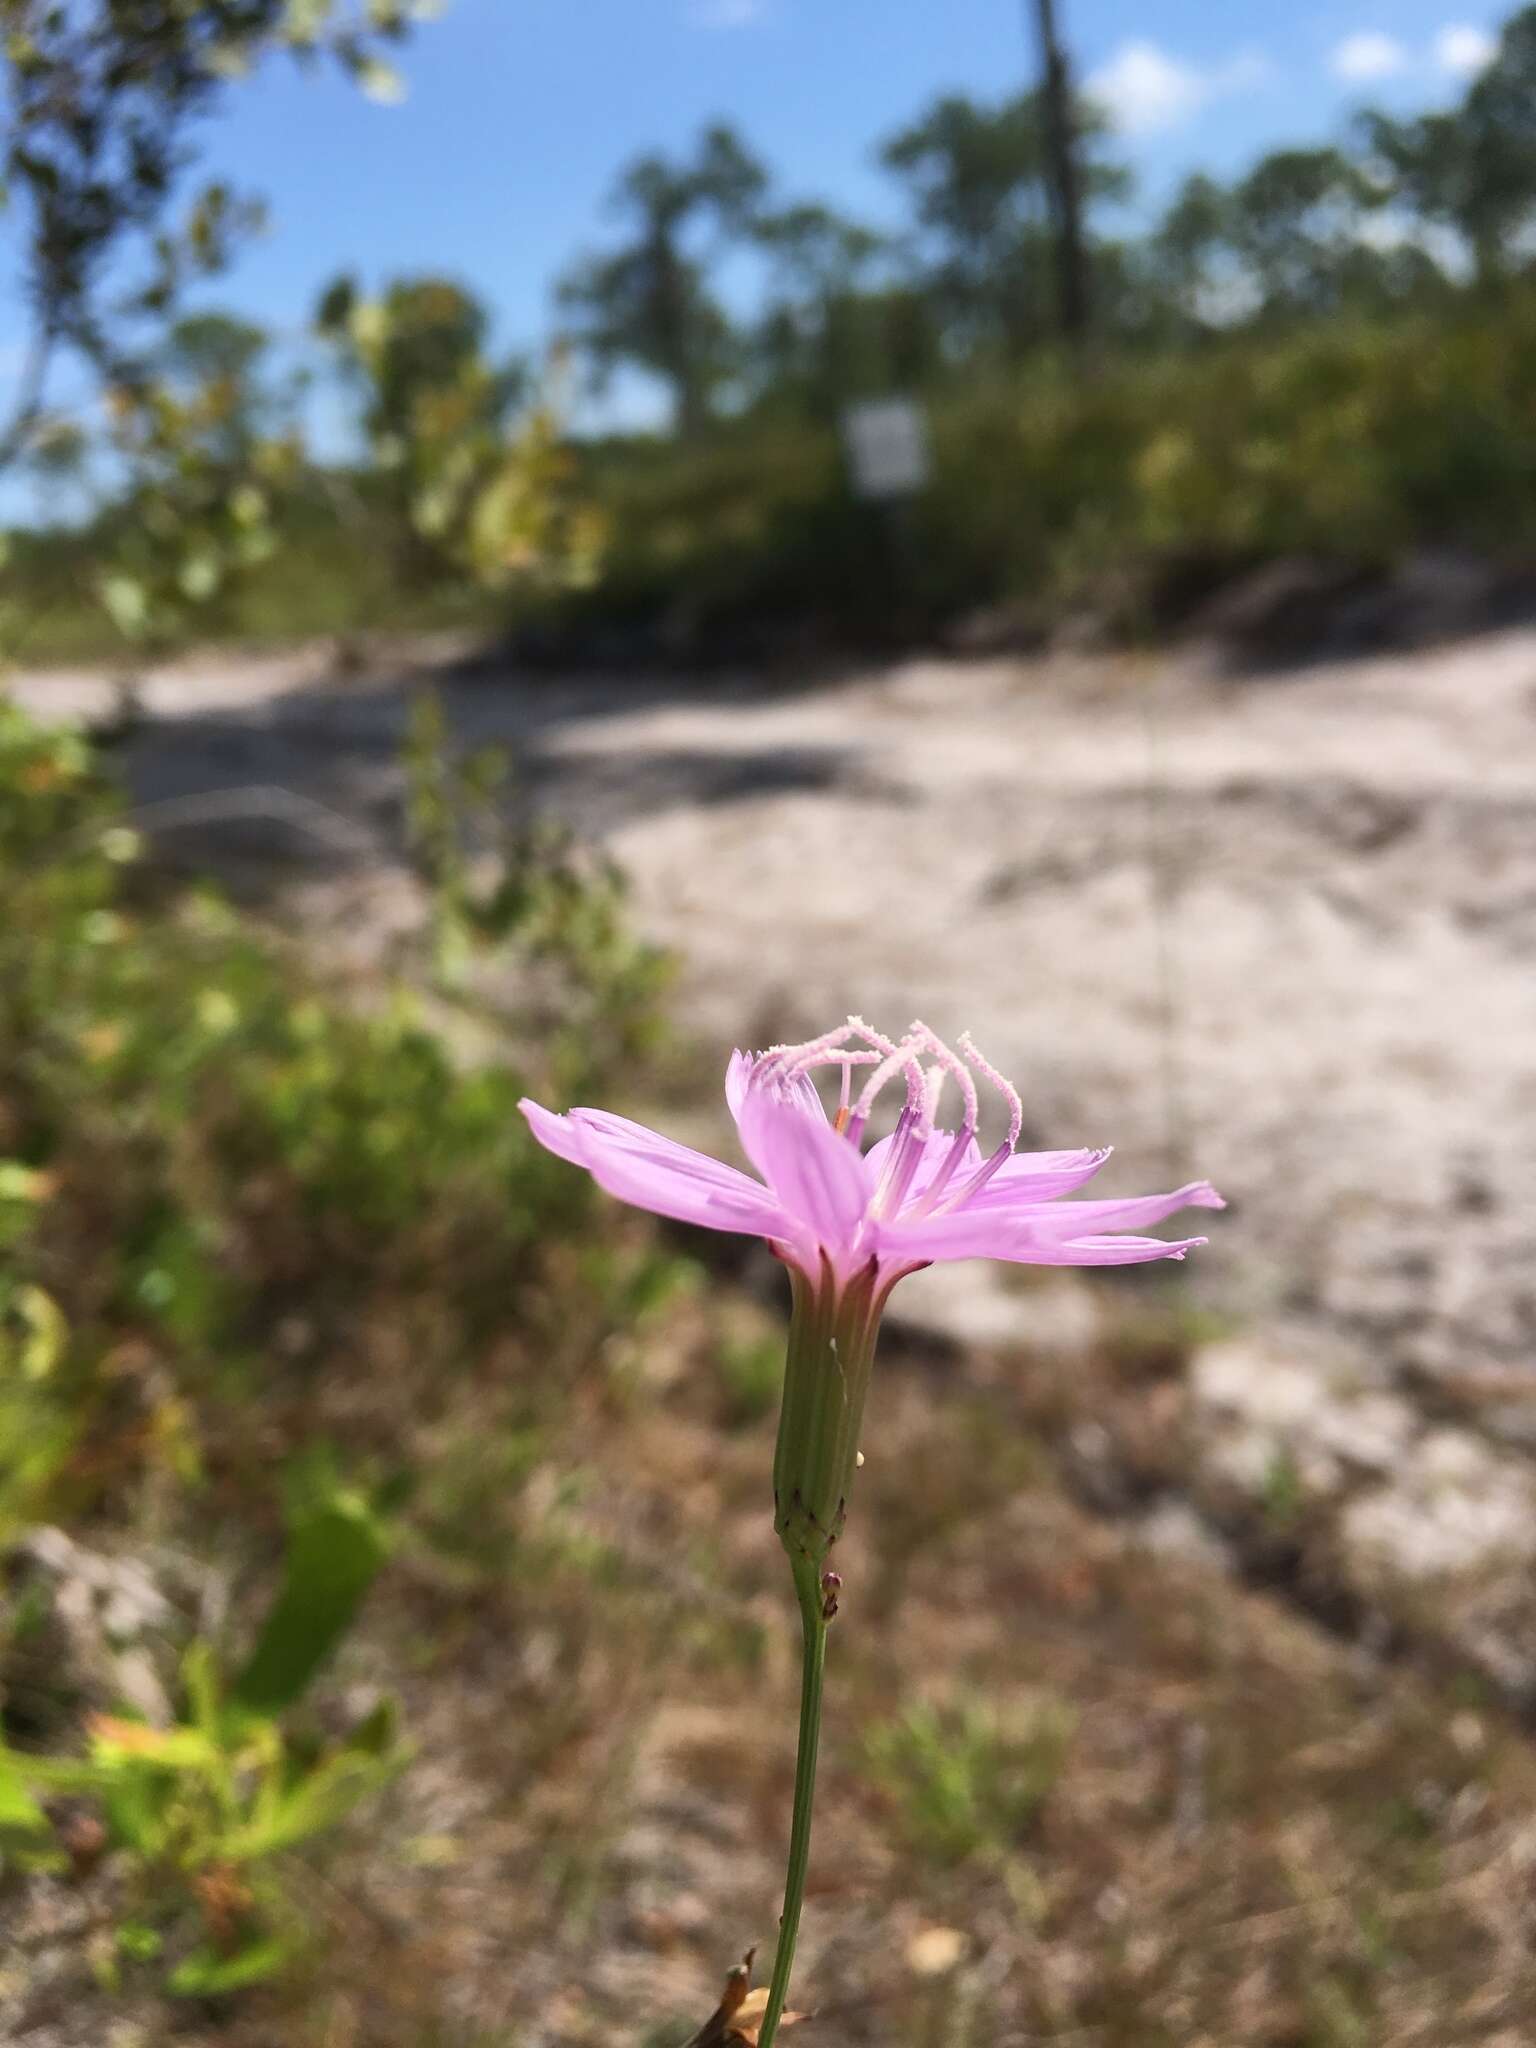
<point x="1256" y="1833"/>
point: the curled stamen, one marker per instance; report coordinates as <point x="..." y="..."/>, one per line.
<point x="840" y="1056"/>
<point x="949" y="1063"/>
<point x="933" y="1088"/>
<point x="791" y="1056"/>
<point x="788" y="1062"/>
<point x="1005" y="1088"/>
<point x="873" y="1037"/>
<point x="900" y="1057"/>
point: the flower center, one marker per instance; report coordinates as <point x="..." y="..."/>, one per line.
<point x="927" y="1065"/>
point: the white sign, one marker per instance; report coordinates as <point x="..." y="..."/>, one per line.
<point x="887" y="443"/>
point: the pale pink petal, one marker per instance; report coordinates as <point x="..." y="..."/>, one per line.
<point x="652" y="1172"/>
<point x="738" y="1075"/>
<point x="1038" y="1177"/>
<point x="556" y="1134"/>
<point x="749" y="1210"/>
<point x="799" y="1089"/>
<point x="1082" y="1219"/>
<point x="818" y="1176"/>
<point x="1019" y="1238"/>
<point x="1111" y="1251"/>
<point x="620" y="1134"/>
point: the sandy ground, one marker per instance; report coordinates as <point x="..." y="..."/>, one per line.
<point x="1278" y="929"/>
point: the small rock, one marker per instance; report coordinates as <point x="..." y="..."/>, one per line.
<point x="934" y="1951"/>
<point x="109" y="1630"/>
<point x="1173" y="1530"/>
<point x="968" y="1305"/>
<point x="1454" y="1506"/>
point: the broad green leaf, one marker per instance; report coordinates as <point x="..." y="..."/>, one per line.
<point x="44" y="1332"/>
<point x="208" y="1974"/>
<point x="137" y="1803"/>
<point x="19" y="1811"/>
<point x="336" y="1549"/>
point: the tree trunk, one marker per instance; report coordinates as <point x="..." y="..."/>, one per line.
<point x="1062" y="179"/>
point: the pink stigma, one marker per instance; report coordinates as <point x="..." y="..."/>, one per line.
<point x="927" y="1064"/>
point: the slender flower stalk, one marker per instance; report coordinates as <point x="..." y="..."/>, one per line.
<point x="848" y="1224"/>
<point x="817" y="1606"/>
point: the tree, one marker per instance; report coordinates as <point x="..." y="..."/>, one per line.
<point x="1295" y="225"/>
<point x="199" y="510"/>
<point x="1473" y="169"/>
<point x="471" y="487"/>
<point x="418" y="353"/>
<point x="223" y="358"/>
<point x="1307" y="232"/>
<point x="1190" y="253"/>
<point x="830" y="329"/>
<point x="981" y="184"/>
<point x="648" y="303"/>
<point x="100" y="101"/>
<point x="1063" y="180"/>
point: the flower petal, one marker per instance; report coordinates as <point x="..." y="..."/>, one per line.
<point x="1040" y="1236"/>
<point x="556" y="1134"/>
<point x="621" y="1134"/>
<point x="798" y="1089"/>
<point x="738" y="1078"/>
<point x="652" y="1172"/>
<point x="1111" y="1251"/>
<point x="1080" y="1219"/>
<point x="817" y="1175"/>
<point x="1038" y="1177"/>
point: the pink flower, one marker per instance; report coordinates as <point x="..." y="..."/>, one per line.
<point x="848" y="1224"/>
<point x="924" y="1193"/>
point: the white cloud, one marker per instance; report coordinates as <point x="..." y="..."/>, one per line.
<point x="1143" y="89"/>
<point x="1463" y="49"/>
<point x="1366" y="56"/>
<point x="729" y="13"/>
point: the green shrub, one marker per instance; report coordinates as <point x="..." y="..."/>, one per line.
<point x="219" y="1170"/>
<point x="1353" y="439"/>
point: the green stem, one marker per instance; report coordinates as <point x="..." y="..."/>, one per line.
<point x="812" y="1670"/>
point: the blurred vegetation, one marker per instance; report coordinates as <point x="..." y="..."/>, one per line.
<point x="967" y="1782"/>
<point x="1326" y="355"/>
<point x="203" y="1811"/>
<point x="1135" y="492"/>
<point x="244" y="1216"/>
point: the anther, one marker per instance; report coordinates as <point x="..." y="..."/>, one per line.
<point x="1004" y="1087"/>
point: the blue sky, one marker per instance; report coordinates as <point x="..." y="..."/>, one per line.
<point x="496" y="165"/>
